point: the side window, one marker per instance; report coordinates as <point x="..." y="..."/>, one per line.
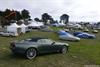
<point x="41" y="41"/>
<point x="45" y="41"/>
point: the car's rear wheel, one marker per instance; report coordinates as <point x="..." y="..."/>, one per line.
<point x="31" y="53"/>
<point x="64" y="50"/>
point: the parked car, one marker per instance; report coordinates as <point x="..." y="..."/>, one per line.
<point x="66" y="30"/>
<point x="7" y="33"/>
<point x="84" y="35"/>
<point x="29" y="30"/>
<point x="46" y="29"/>
<point x="0" y="32"/>
<point x="34" y="46"/>
<point x="86" y="30"/>
<point x="95" y="31"/>
<point x="67" y="36"/>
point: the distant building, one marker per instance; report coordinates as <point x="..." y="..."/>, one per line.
<point x="64" y="18"/>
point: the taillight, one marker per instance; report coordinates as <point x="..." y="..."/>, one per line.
<point x="12" y="44"/>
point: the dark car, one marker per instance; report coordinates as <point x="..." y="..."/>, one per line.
<point x="35" y="46"/>
<point x="84" y="35"/>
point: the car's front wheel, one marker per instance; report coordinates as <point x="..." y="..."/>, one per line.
<point x="31" y="53"/>
<point x="64" y="50"/>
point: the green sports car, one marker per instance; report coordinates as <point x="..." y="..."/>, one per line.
<point x="34" y="46"/>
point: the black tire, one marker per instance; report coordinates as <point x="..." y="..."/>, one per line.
<point x="64" y="50"/>
<point x="31" y="53"/>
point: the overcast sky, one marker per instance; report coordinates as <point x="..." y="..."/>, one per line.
<point x="78" y="10"/>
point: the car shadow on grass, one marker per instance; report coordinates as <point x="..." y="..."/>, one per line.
<point x="22" y="57"/>
<point x="16" y="56"/>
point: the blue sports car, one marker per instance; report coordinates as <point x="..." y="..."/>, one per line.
<point x="62" y="32"/>
<point x="84" y="35"/>
<point x="67" y="36"/>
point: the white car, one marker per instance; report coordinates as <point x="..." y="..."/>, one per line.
<point x="66" y="30"/>
<point x="86" y="30"/>
<point x="6" y="33"/>
<point x="95" y="31"/>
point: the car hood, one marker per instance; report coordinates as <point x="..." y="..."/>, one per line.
<point x="69" y="37"/>
<point x="60" y="43"/>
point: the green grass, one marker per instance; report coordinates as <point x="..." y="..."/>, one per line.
<point x="84" y="52"/>
<point x="57" y="28"/>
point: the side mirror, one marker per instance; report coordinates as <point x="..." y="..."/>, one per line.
<point x="53" y="43"/>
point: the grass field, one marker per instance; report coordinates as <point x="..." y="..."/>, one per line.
<point x="84" y="52"/>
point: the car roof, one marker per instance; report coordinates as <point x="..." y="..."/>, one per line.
<point x="37" y="38"/>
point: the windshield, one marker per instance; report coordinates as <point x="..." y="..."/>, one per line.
<point x="45" y="41"/>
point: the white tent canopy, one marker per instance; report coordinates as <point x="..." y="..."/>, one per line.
<point x="62" y="24"/>
<point x="35" y="24"/>
<point x="14" y="25"/>
<point x="40" y="23"/>
<point x="74" y="25"/>
<point x="13" y="28"/>
<point x="23" y="28"/>
<point x="23" y="25"/>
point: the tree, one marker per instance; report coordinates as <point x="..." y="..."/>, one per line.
<point x="64" y="18"/>
<point x="7" y="11"/>
<point x="11" y="15"/>
<point x="25" y="14"/>
<point x="8" y="16"/>
<point x="37" y="19"/>
<point x="46" y="17"/>
<point x="17" y="16"/>
<point x="5" y="21"/>
<point x="51" y="20"/>
<point x="1" y="13"/>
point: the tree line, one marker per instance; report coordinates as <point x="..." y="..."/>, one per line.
<point x="45" y="17"/>
<point x="8" y="15"/>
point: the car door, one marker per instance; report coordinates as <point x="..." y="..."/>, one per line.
<point x="46" y="46"/>
<point x="52" y="47"/>
<point x="42" y="48"/>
